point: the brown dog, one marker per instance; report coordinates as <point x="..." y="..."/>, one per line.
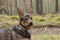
<point x="20" y="32"/>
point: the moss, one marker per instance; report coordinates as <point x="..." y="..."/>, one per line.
<point x="53" y="19"/>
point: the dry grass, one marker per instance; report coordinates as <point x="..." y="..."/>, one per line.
<point x="46" y="37"/>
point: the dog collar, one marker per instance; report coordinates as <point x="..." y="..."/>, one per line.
<point x="23" y="33"/>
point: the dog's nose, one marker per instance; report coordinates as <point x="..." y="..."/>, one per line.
<point x="31" y="24"/>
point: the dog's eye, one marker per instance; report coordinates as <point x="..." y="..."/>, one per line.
<point x="30" y="18"/>
<point x="25" y="19"/>
<point x="27" y="15"/>
<point x="21" y="18"/>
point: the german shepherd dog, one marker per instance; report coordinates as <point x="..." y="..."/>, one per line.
<point x="20" y="32"/>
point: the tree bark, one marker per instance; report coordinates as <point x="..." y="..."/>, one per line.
<point x="31" y="3"/>
<point x="41" y="7"/>
<point x="56" y="8"/>
<point x="37" y="6"/>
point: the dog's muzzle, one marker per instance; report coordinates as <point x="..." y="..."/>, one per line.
<point x="31" y="24"/>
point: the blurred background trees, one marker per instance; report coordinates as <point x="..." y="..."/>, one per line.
<point x="39" y="6"/>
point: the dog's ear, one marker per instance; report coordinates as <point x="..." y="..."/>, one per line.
<point x="20" y="12"/>
<point x="30" y="10"/>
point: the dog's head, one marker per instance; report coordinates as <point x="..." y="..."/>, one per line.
<point x="25" y="18"/>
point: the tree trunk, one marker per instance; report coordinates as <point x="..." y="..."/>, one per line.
<point x="37" y="6"/>
<point x="31" y="3"/>
<point x="41" y="7"/>
<point x="56" y="8"/>
<point x="15" y="7"/>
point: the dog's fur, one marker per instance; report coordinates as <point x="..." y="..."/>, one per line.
<point x="9" y="34"/>
<point x="13" y="33"/>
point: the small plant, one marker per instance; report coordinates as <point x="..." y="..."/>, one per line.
<point x="42" y="20"/>
<point x="58" y="19"/>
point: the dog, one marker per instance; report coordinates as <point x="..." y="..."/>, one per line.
<point x="20" y="32"/>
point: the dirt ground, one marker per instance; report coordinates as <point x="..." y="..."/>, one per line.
<point x="45" y="30"/>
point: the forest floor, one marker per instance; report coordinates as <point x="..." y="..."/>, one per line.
<point x="46" y="33"/>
